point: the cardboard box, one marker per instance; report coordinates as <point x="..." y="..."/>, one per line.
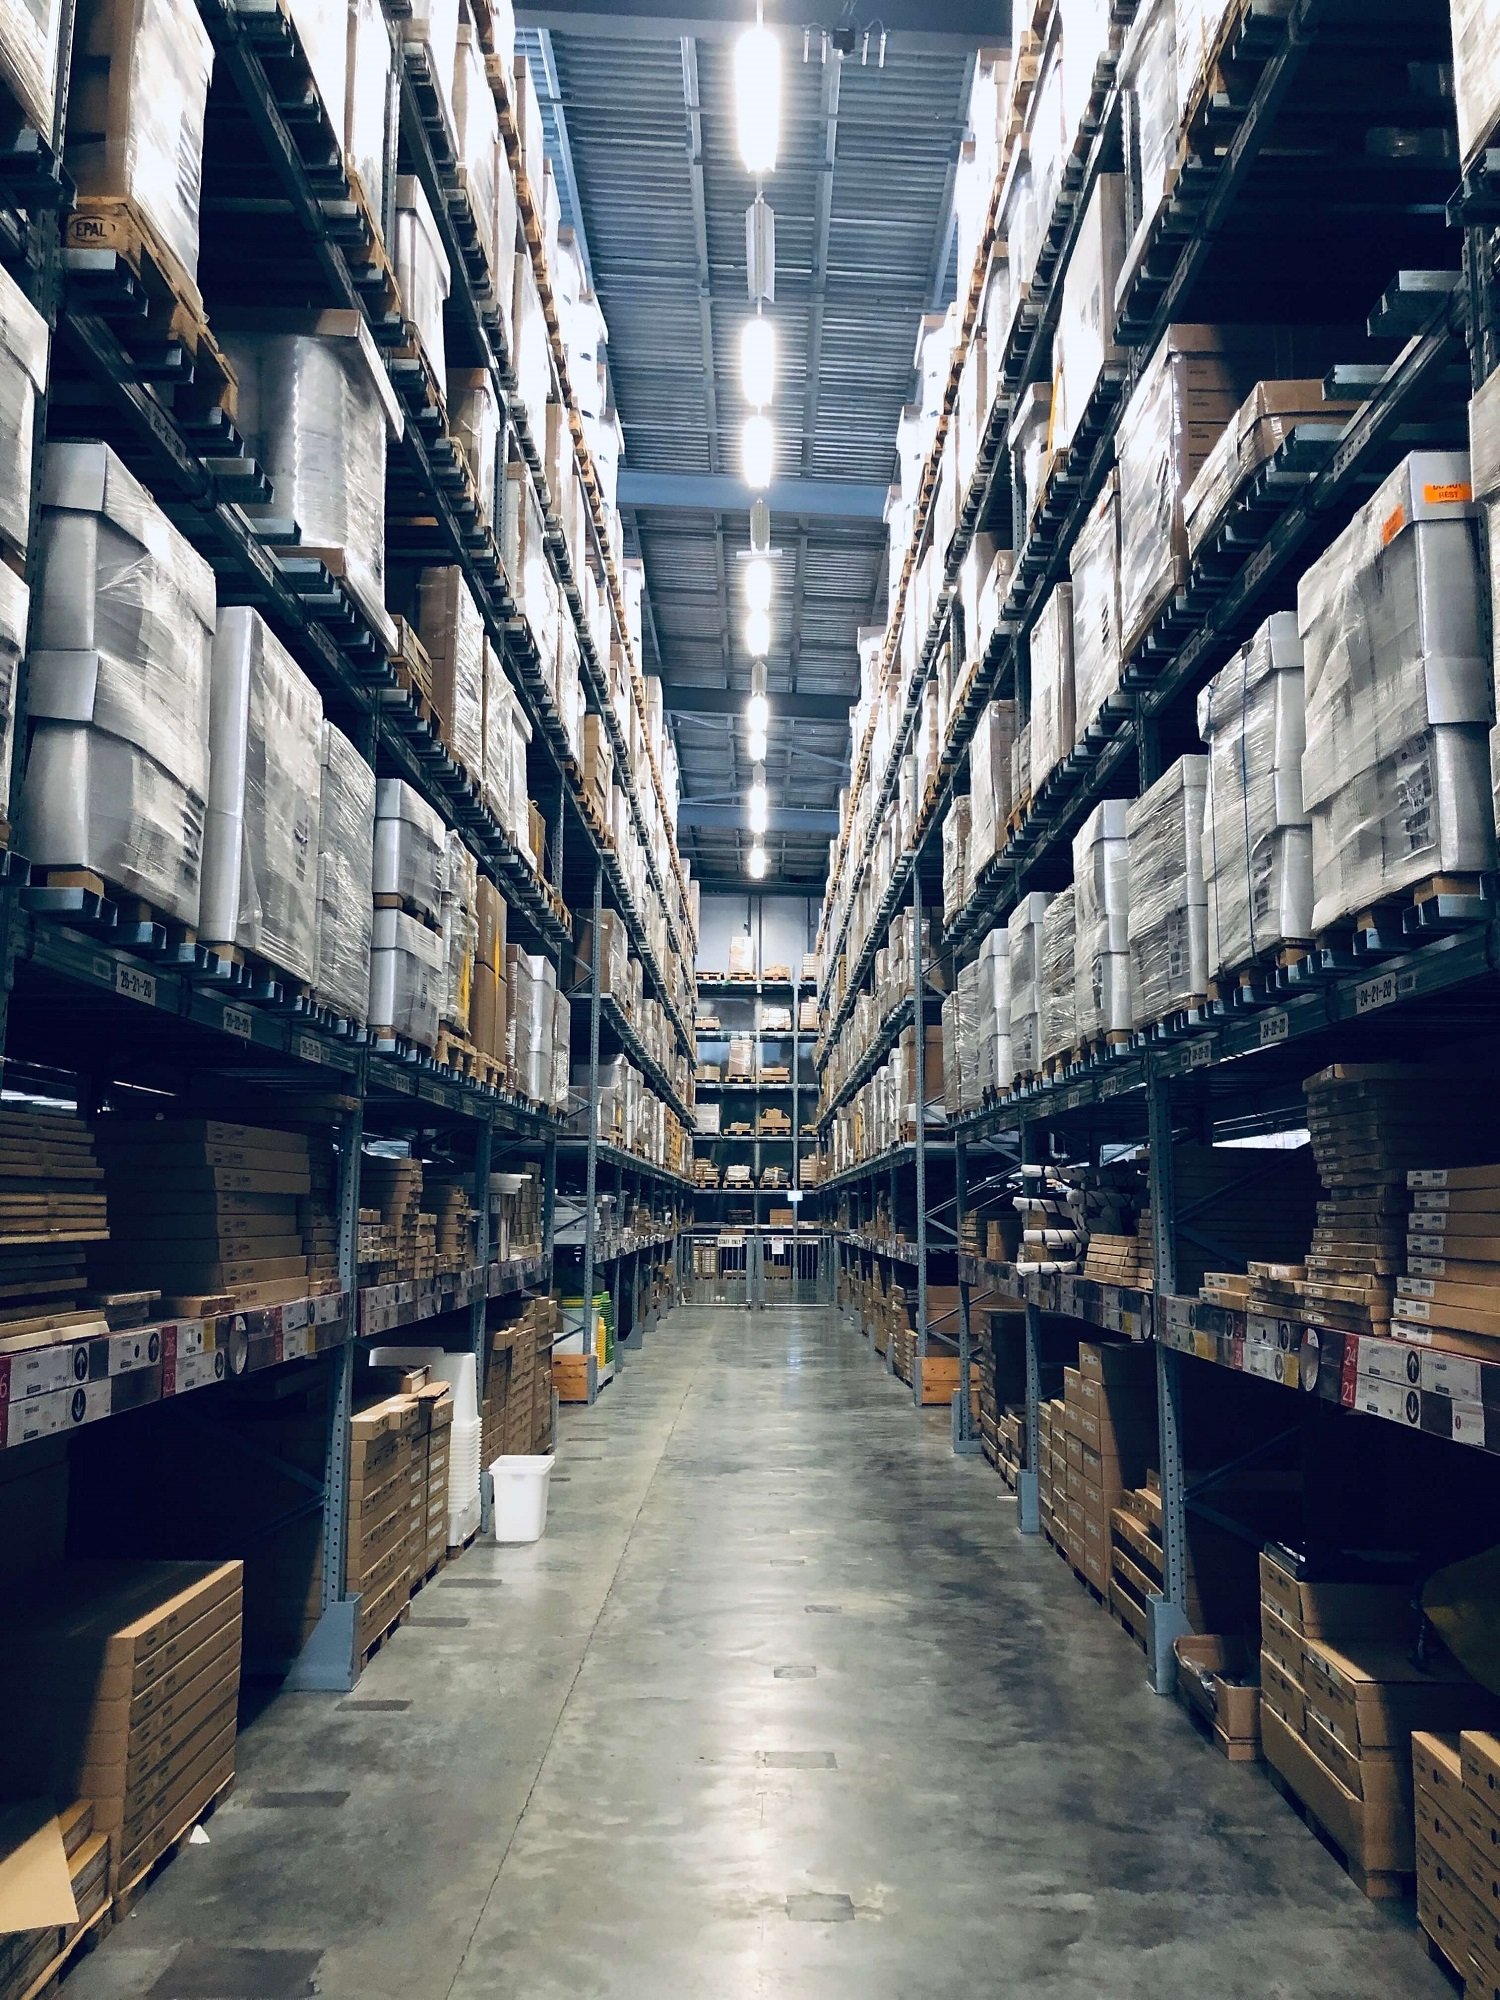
<point x="1376" y="1834"/>
<point x="1329" y="1610"/>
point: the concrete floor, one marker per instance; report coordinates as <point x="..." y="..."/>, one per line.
<point x="781" y="1707"/>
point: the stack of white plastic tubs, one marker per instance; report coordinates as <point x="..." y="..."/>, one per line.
<point x="459" y="1372"/>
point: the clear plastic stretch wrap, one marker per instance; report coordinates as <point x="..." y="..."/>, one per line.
<point x="1148" y="72"/>
<point x="316" y="407"/>
<point x="1085" y="327"/>
<point x="1051" y="722"/>
<point x="1484" y="456"/>
<point x="1395" y="776"/>
<point x="478" y="133"/>
<point x="1101" y="918"/>
<point x="1024" y="935"/>
<point x="23" y="375"/>
<point x="995" y="1067"/>
<point x="1055" y="983"/>
<point x="365" y="99"/>
<point x="474" y="421"/>
<point x="406" y="975"/>
<point x="136" y="101"/>
<point x="952" y="1002"/>
<point x="421" y="269"/>
<point x="1152" y="477"/>
<point x="460" y="926"/>
<point x="435" y="23"/>
<point x="452" y="630"/>
<point x="519" y="1011"/>
<point x="968" y="992"/>
<point x="28" y="57"/>
<point x="1476" y="74"/>
<point x="1261" y="425"/>
<point x="260" y="842"/>
<point x="956" y="876"/>
<point x="346" y="865"/>
<point x="990" y="792"/>
<point x="323" y="29"/>
<point x="1257" y="844"/>
<point x="409" y="842"/>
<point x="1096" y="608"/>
<point x="121" y="636"/>
<point x="15" y="611"/>
<point x="1168" y="898"/>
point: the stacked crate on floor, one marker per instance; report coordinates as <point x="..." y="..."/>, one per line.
<point x="1137" y="1566"/>
<point x="128" y="1676"/>
<point x="1052" y="1473"/>
<point x="1457" y="1798"/>
<point x="386" y="1440"/>
<point x="28" y="1958"/>
<point x="1342" y="1691"/>
<point x="1109" y="1418"/>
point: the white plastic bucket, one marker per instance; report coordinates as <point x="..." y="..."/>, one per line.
<point x="520" y="1483"/>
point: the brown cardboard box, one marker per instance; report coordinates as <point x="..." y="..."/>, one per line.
<point x="1373" y="1696"/>
<point x="1336" y="1611"/>
<point x="489" y="913"/>
<point x="1282" y="1692"/>
<point x="1376" y="1834"/>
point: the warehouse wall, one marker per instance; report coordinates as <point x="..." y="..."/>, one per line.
<point x="784" y="925"/>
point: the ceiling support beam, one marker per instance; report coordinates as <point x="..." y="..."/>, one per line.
<point x="911" y="24"/>
<point x="699" y="492"/>
<point x="712" y="815"/>
<point x="711" y="701"/>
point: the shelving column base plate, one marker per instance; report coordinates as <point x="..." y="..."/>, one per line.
<point x="327" y="1663"/>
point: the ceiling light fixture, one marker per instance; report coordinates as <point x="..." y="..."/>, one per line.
<point x="760" y="527"/>
<point x="757" y="634"/>
<point x="758" y="362"/>
<point x="758" y="714"/>
<point x="756" y="864"/>
<point x="760" y="252"/>
<point x="758" y="801"/>
<point x="756" y="577"/>
<point x="757" y="98"/>
<point x="757" y="745"/>
<point x="757" y="452"/>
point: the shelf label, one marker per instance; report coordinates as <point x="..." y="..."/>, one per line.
<point x="239" y="1021"/>
<point x="1383" y="990"/>
<point x="308" y="1049"/>
<point x="1273" y="1027"/>
<point x="1198" y="1054"/>
<point x="135" y="984"/>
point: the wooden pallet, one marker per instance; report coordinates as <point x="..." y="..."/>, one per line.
<point x="1250" y="975"/>
<point x="173" y="304"/>
<point x="129" y="1893"/>
<point x="367" y="1653"/>
<point x="456" y="1052"/>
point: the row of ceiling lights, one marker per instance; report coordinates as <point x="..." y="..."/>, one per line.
<point x="757" y="104"/>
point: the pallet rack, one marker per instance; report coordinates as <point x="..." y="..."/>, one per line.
<point x="87" y="997"/>
<point x="1433" y="332"/>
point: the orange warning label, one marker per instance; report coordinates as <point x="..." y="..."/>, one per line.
<point x="1457" y="493"/>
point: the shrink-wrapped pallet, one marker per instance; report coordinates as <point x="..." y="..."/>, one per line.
<point x="323" y="30"/>
<point x="1096" y="609"/>
<point x="1476" y="75"/>
<point x="1484" y="456"/>
<point x="316" y="407"/>
<point x="956" y="875"/>
<point x="15" y="612"/>
<point x="1148" y="83"/>
<point x="406" y="966"/>
<point x="481" y="158"/>
<point x="346" y="861"/>
<point x="1101" y="920"/>
<point x="1024" y="933"/>
<point x="260" y="843"/>
<point x="1256" y="432"/>
<point x="421" y="269"/>
<point x="1084" y="344"/>
<point x="996" y="1071"/>
<point x="121" y="636"/>
<point x="460" y="929"/>
<point x="136" y="102"/>
<point x="990" y="796"/>
<point x="1056" y="994"/>
<point x="1400" y="701"/>
<point x="410" y="839"/>
<point x="452" y="630"/>
<point x="1168" y="901"/>
<point x="1051" y="723"/>
<point x="366" y="94"/>
<point x="1257" y="843"/>
<point x="29" y="31"/>
<point x="23" y="376"/>
<point x="434" y="23"/>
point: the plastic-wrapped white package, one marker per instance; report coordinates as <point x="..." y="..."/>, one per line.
<point x="367" y="87"/>
<point x="1168" y="897"/>
<point x="460" y="929"/>
<point x="23" y="375"/>
<point x="136" y="101"/>
<point x="1056" y="993"/>
<point x="956" y="877"/>
<point x="990" y="793"/>
<point x="1024" y="934"/>
<point x="1476" y="74"/>
<point x="28" y="57"/>
<point x="409" y="843"/>
<point x="316" y="407"/>
<point x="996" y="1071"/>
<point x="474" y="422"/>
<point x="1148" y="77"/>
<point x="478" y="133"/>
<point x="260" y="841"/>
<point x="1046" y="142"/>
<point x="346" y="863"/>
<point x="1018" y="229"/>
<point x="1030" y="440"/>
<point x="323" y="30"/>
<point x="121" y="636"/>
<point x="434" y="23"/>
<point x="406" y="967"/>
<point x="1400" y="701"/>
<point x="452" y="630"/>
<point x="1257" y="843"/>
<point x="1101" y="917"/>
<point x="1484" y="455"/>
<point x="499" y="758"/>
<point x="1085" y="39"/>
<point x="1096" y="609"/>
<point x="421" y="269"/>
<point x="1085" y="327"/>
<point x="15" y="611"/>
<point x="1051" y="723"/>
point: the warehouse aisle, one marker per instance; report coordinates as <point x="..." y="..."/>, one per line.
<point x="781" y="1707"/>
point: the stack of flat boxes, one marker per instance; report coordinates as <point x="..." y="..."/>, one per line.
<point x="1137" y="1564"/>
<point x="27" y="1956"/>
<point x="128" y="1674"/>
<point x="1341" y="1695"/>
<point x="1457" y="1793"/>
<point x="1052" y="1472"/>
<point x="385" y="1442"/>
<point x="393" y="1188"/>
<point x="1450" y="1290"/>
<point x="1109" y="1420"/>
